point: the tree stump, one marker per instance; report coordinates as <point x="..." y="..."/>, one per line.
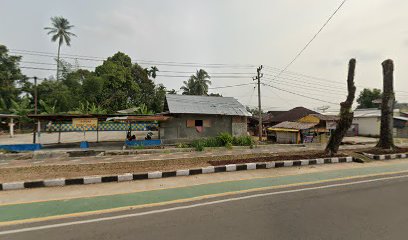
<point x="346" y="115"/>
<point x="387" y="107"/>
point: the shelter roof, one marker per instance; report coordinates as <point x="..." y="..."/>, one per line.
<point x="292" y="125"/>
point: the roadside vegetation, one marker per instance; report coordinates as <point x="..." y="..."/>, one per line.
<point x="222" y="140"/>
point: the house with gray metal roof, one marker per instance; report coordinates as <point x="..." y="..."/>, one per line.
<point x="368" y="122"/>
<point x="194" y="117"/>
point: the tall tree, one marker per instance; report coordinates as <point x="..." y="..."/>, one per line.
<point x="368" y="97"/>
<point x="152" y="72"/>
<point x="10" y="76"/>
<point x="346" y="114"/>
<point x="56" y="92"/>
<point x="120" y="90"/>
<point x="387" y="106"/>
<point x="60" y="30"/>
<point x="197" y="84"/>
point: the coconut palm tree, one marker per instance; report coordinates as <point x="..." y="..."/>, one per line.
<point x="60" y="31"/>
<point x="153" y="71"/>
<point x="197" y="84"/>
<point x="188" y="88"/>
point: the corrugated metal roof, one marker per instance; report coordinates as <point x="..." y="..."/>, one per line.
<point x="6" y="115"/>
<point x="358" y="113"/>
<point x="294" y="125"/>
<point x="326" y="117"/>
<point x="370" y="112"/>
<point x="205" y="105"/>
<point x="401" y="118"/>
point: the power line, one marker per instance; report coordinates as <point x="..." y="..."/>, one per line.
<point x="162" y="71"/>
<point x="298" y="83"/>
<point x="313" y="38"/>
<point x="159" y="75"/>
<point x="298" y="94"/>
<point x="179" y="76"/>
<point x="158" y="63"/>
<point x="237" y="85"/>
<point x="313" y="89"/>
<point x="139" y="60"/>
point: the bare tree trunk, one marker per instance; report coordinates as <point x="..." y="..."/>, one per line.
<point x="387" y="107"/>
<point x="346" y="115"/>
<point x="58" y="60"/>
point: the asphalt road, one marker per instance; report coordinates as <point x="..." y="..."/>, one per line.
<point x="361" y="210"/>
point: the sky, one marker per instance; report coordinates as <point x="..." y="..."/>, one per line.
<point x="229" y="39"/>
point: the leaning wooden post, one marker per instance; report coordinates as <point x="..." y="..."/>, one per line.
<point x="387" y="106"/>
<point x="346" y="114"/>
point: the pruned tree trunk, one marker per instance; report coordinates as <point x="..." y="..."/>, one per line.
<point x="346" y="115"/>
<point x="387" y="106"/>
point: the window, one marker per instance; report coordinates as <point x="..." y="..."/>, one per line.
<point x="198" y="123"/>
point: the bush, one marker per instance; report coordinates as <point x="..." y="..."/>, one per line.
<point x="228" y="145"/>
<point x="198" y="145"/>
<point x="243" y="141"/>
<point x="225" y="138"/>
<point x="182" y="145"/>
<point x="213" y="142"/>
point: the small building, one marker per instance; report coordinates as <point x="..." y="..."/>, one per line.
<point x="401" y="127"/>
<point x="253" y="121"/>
<point x="194" y="117"/>
<point x="292" y="115"/>
<point x="290" y="132"/>
<point x="368" y="122"/>
<point x="325" y="123"/>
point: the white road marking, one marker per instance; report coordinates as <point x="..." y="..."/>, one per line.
<point x="193" y="205"/>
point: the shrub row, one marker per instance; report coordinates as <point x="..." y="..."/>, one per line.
<point x="222" y="140"/>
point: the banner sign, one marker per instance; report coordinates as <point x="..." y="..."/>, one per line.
<point x="85" y="122"/>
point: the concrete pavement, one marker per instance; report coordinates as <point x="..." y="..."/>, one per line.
<point x="85" y="204"/>
<point x="367" y="208"/>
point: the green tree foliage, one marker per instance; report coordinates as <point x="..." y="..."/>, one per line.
<point x="142" y="109"/>
<point x="48" y="109"/>
<point x="60" y="31"/>
<point x="10" y="76"/>
<point x="172" y="91"/>
<point x="367" y="96"/>
<point x="22" y="109"/>
<point x="115" y="85"/>
<point x="120" y="90"/>
<point x="51" y="91"/>
<point x="254" y="111"/>
<point x="88" y="108"/>
<point x="197" y="84"/>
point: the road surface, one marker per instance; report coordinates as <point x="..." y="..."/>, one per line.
<point x="357" y="203"/>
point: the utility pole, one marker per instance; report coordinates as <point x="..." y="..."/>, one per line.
<point x="35" y="108"/>
<point x="258" y="77"/>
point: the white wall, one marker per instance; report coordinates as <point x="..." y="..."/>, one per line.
<point x="368" y="125"/>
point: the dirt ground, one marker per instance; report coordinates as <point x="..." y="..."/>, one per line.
<point x="10" y="174"/>
<point x="379" y="151"/>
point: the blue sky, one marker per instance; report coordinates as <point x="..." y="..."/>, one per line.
<point x="230" y="32"/>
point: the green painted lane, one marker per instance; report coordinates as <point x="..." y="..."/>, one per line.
<point x="61" y="207"/>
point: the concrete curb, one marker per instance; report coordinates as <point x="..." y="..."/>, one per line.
<point x="165" y="174"/>
<point x="386" y="156"/>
